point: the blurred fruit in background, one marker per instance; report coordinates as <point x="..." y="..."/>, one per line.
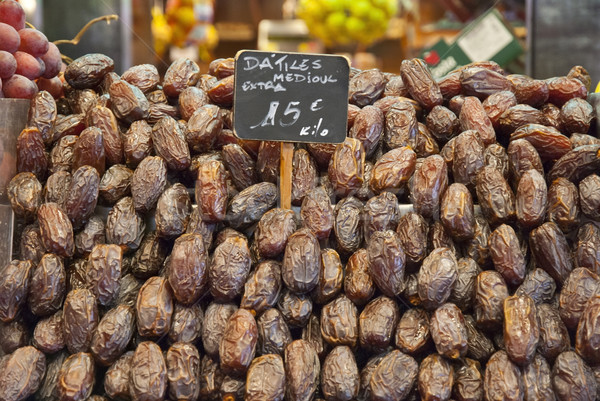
<point x="185" y="23"/>
<point x="341" y="22"/>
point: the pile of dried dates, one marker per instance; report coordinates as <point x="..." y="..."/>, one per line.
<point x="448" y="249"/>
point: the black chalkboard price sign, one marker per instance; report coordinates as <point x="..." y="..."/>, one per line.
<point x="290" y="97"/>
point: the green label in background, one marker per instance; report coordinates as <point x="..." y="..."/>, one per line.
<point x="486" y="38"/>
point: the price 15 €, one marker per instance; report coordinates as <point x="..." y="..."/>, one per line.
<point x="281" y="115"/>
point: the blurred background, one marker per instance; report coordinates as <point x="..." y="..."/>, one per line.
<point x="541" y="38"/>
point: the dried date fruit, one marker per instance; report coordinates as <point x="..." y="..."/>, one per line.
<point x="563" y="204"/>
<point x="248" y="206"/>
<point x="221" y="91"/>
<point x="380" y="213"/>
<point x="392" y="170"/>
<point x="116" y="380"/>
<point x="113" y="334"/>
<point x="302" y="371"/>
<point x="339" y="322"/>
<point x="48" y="335"/>
<point x="386" y="261"/>
<point x="554" y="336"/>
<point x="62" y="154"/>
<point x="169" y="143"/>
<point x="31" y="246"/>
<point x="576" y="164"/>
<point x="124" y="226"/>
<point x="358" y="284"/>
<point x="538" y="285"/>
<point x="589" y="197"/>
<point x="103" y="118"/>
<point x="437" y="277"/>
<point x="429" y="183"/>
<point x="88" y="71"/>
<point x="587" y="331"/>
<point x="128" y="102"/>
<point x="241" y="166"/>
<point x="238" y="344"/>
<point x="496" y="104"/>
<point x="180" y="74"/>
<point x="115" y="183"/>
<point x="215" y="320"/>
<point x="143" y="76"/>
<point x="412" y="231"/>
<point x="227" y="272"/>
<point x="267" y="161"/>
<point x="522" y="156"/>
<point x="366" y="87"/>
<point x="346" y="168"/>
<point x="172" y="211"/>
<point x="448" y="331"/>
<point x="412" y="333"/>
<point x="482" y="82"/>
<point x="301" y="261"/>
<point x="376" y="323"/>
<point x="305" y="175"/>
<point x="490" y="293"/>
<point x="23" y="371"/>
<point x="273" y="333"/>
<point x="148" y="182"/>
<point x="551" y="251"/>
<point x="442" y="123"/>
<point x="347" y="225"/>
<point x="393" y="377"/>
<point x="531" y="199"/>
<point x="537" y="382"/>
<point x="579" y="286"/>
<point x="83" y="195"/>
<point x="47" y="286"/>
<point x="316" y="213"/>
<point x="186" y="324"/>
<point x="563" y="89"/>
<point x="468" y="157"/>
<point x="56" y="230"/>
<point x="576" y="116"/>
<point x="266" y="379"/>
<point x="401" y="126"/>
<point x="31" y="153"/>
<point x="521" y="331"/>
<point x="462" y="291"/>
<point x="435" y="379"/>
<point x="331" y="276"/>
<point x="295" y="308"/>
<point x="548" y="141"/>
<point x="420" y="83"/>
<point x="520" y="115"/>
<point x="585" y="253"/>
<point x="480" y="346"/>
<point x="25" y="194"/>
<point x="496" y="199"/>
<point x="368" y="128"/>
<point x="137" y="142"/>
<point x="149" y="257"/>
<point x="507" y="255"/>
<point x="502" y="380"/>
<point x="183" y="368"/>
<point x="80" y="319"/>
<point x="457" y="213"/>
<point x="572" y="378"/>
<point x="154" y="307"/>
<point x="89" y="149"/>
<point x="273" y="230"/>
<point x="262" y="288"/>
<point x="211" y="191"/>
<point x="148" y="373"/>
<point x="473" y="116"/>
<point x="339" y="375"/>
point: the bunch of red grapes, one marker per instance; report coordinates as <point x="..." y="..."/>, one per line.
<point x="28" y="61"/>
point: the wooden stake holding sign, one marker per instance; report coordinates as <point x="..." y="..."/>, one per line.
<point x="290" y="97"/>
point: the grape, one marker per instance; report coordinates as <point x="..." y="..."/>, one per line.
<point x="33" y="42"/>
<point x="12" y="14"/>
<point x="19" y="86"/>
<point x="8" y="64"/>
<point x="52" y="60"/>
<point x="53" y="85"/>
<point x="9" y="38"/>
<point x="28" y="66"/>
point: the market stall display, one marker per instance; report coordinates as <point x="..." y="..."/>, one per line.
<point x="195" y="285"/>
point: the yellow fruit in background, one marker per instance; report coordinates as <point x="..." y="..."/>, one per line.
<point x="185" y="17"/>
<point x="344" y="21"/>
